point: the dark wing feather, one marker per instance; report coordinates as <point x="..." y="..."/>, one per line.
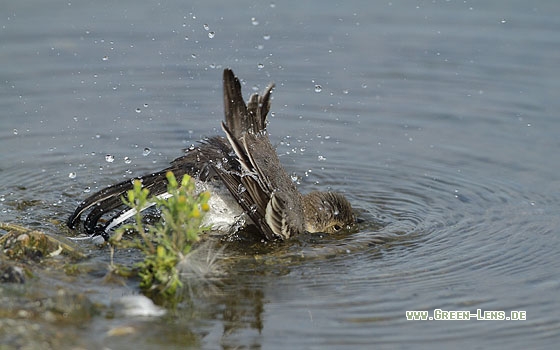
<point x="234" y="105"/>
<point x="242" y="156"/>
<point x="241" y="118"/>
<point x="242" y="190"/>
<point x="254" y="192"/>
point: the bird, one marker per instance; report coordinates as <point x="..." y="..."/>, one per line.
<point x="248" y="184"/>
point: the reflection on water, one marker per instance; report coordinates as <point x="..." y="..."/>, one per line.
<point x="437" y="120"/>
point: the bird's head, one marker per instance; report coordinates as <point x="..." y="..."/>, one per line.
<point x="327" y="212"/>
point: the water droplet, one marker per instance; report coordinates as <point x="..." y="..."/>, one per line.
<point x="138" y="110"/>
<point x="193" y="55"/>
<point x="87" y="189"/>
<point x="145" y="105"/>
<point x="321" y="158"/>
<point x="127" y="160"/>
<point x="272" y="5"/>
<point x="260" y="66"/>
<point x="206" y="27"/>
<point x="318" y="88"/>
<point x="186" y="37"/>
<point x="266" y="37"/>
<point x="253" y="208"/>
<point x="295" y="178"/>
<point x="72" y="175"/>
<point x="146" y="151"/>
<point x="254" y="21"/>
<point x="364" y="86"/>
<point x="503" y="21"/>
<point x="15" y="131"/>
<point x="345" y="91"/>
<point x="241" y="189"/>
<point x="211" y="35"/>
<point x="109" y="158"/>
<point x="105" y="58"/>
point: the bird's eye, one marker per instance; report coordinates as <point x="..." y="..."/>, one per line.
<point x="337" y="228"/>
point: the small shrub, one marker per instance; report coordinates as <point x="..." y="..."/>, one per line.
<point x="166" y="243"/>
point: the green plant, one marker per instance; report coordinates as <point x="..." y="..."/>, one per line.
<point x="166" y="243"/>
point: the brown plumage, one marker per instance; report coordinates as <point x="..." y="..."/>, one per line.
<point x="247" y="164"/>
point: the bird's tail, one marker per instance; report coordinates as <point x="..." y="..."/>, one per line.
<point x="110" y="199"/>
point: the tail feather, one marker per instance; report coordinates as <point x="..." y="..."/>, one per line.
<point x="195" y="162"/>
<point x="240" y="119"/>
<point x="100" y="209"/>
<point x="99" y="197"/>
<point x="110" y="198"/>
<point x="128" y="213"/>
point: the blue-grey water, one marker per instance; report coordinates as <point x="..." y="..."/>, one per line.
<point x="439" y="120"/>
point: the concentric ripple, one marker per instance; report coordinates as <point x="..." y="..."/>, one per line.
<point x="436" y="240"/>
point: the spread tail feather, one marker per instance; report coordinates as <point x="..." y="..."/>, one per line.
<point x="240" y="119"/>
<point x="110" y="198"/>
<point x="195" y="163"/>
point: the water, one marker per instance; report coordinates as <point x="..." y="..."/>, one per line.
<point x="438" y="120"/>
